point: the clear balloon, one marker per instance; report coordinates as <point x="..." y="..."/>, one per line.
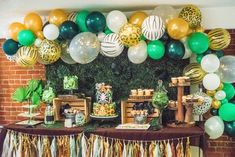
<point x="51" y="32"/>
<point x="37" y="42"/>
<point x="111" y="45"/>
<point x="84" y="47"/>
<point x="227" y="68"/>
<point x="137" y="54"/>
<point x="166" y="12"/>
<point x="65" y="56"/>
<point x="214" y="127"/>
<point x="210" y="63"/>
<point x="153" y="28"/>
<point x="220" y="95"/>
<point x="115" y="20"/>
<point x="211" y="81"/>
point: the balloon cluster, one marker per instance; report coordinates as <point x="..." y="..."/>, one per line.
<point x="78" y="37"/>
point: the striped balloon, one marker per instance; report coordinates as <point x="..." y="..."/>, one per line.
<point x="26" y="56"/>
<point x="111" y="45"/>
<point x="72" y="16"/>
<point x="219" y="39"/>
<point x="153" y="28"/>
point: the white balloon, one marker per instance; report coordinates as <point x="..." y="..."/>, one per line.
<point x="111" y="46"/>
<point x="115" y="20"/>
<point x="137" y="54"/>
<point x="188" y="52"/>
<point x="211" y="81"/>
<point x="214" y="127"/>
<point x="220" y="95"/>
<point x="84" y="47"/>
<point x="153" y="28"/>
<point x="227" y="69"/>
<point x="210" y="63"/>
<point x="101" y="36"/>
<point x="37" y="42"/>
<point x="51" y="32"/>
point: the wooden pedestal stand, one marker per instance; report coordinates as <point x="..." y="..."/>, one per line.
<point x="180" y="108"/>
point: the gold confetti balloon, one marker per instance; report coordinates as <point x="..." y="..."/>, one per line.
<point x="194" y="72"/>
<point x="26" y="56"/>
<point x="130" y="35"/>
<point x="49" y="51"/>
<point x="192" y="15"/>
<point x="219" y="38"/>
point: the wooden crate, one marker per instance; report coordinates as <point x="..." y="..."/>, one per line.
<point x="126" y="108"/>
<point x="76" y="103"/>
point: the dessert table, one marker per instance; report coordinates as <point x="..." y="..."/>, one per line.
<point x="196" y="133"/>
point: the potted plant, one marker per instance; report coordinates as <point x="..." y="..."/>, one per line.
<point x="31" y="93"/>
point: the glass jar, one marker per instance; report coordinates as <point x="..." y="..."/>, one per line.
<point x="49" y="117"/>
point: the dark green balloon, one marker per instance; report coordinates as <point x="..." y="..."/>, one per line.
<point x="165" y="38"/>
<point x="81" y="20"/>
<point x="68" y="29"/>
<point x="214" y="112"/>
<point x="10" y="47"/>
<point x="26" y="37"/>
<point x="175" y="49"/>
<point x="229" y="90"/>
<point x="199" y="58"/>
<point x="198" y="42"/>
<point x="229" y="128"/>
<point x="156" y="49"/>
<point x="219" y="53"/>
<point x="95" y="22"/>
<point x="208" y="51"/>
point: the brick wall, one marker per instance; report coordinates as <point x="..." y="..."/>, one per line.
<point x="12" y="76"/>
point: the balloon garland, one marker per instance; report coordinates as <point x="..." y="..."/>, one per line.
<point x="163" y="32"/>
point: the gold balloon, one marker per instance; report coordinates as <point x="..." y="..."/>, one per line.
<point x="192" y="15"/>
<point x="215" y="104"/>
<point x="14" y="29"/>
<point x="137" y="18"/>
<point x="33" y="22"/>
<point x="210" y="93"/>
<point x="57" y="17"/>
<point x="177" y="28"/>
<point x="40" y="35"/>
<point x="72" y="16"/>
<point x="26" y="56"/>
<point x="221" y="86"/>
<point x="194" y="72"/>
<point x="219" y="39"/>
<point x="130" y="34"/>
<point x="199" y="29"/>
<point x="49" y="51"/>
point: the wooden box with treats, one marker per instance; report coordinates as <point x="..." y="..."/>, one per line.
<point x="81" y="104"/>
<point x="129" y="110"/>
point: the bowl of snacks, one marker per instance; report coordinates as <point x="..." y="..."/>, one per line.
<point x="140" y="116"/>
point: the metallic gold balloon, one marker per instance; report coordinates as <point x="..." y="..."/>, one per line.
<point x="177" y="28"/>
<point x="49" y="51"/>
<point x="57" y="17"/>
<point x="192" y="15"/>
<point x="215" y="104"/>
<point x="137" y="18"/>
<point x="221" y="86"/>
<point x="210" y="93"/>
<point x="199" y="29"/>
<point x="130" y="34"/>
<point x="194" y="72"/>
<point x="14" y="29"/>
<point x="26" y="56"/>
<point x="219" y="39"/>
<point x="40" y="35"/>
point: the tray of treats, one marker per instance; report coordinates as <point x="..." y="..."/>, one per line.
<point x="180" y="81"/>
<point x="141" y="94"/>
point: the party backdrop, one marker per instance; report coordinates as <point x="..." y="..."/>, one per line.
<point x="119" y="72"/>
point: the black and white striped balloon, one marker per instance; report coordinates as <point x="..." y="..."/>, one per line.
<point x="111" y="45"/>
<point x="153" y="28"/>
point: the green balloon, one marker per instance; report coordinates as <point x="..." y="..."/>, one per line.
<point x="229" y="90"/>
<point x="81" y="20"/>
<point x="107" y="31"/>
<point x="229" y="128"/>
<point x="224" y="101"/>
<point x="175" y="49"/>
<point x="95" y="22"/>
<point x="26" y="37"/>
<point x="227" y="112"/>
<point x="214" y="112"/>
<point x="199" y="58"/>
<point x="198" y="42"/>
<point x="156" y="49"/>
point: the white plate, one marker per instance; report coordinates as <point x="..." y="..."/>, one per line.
<point x="103" y="117"/>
